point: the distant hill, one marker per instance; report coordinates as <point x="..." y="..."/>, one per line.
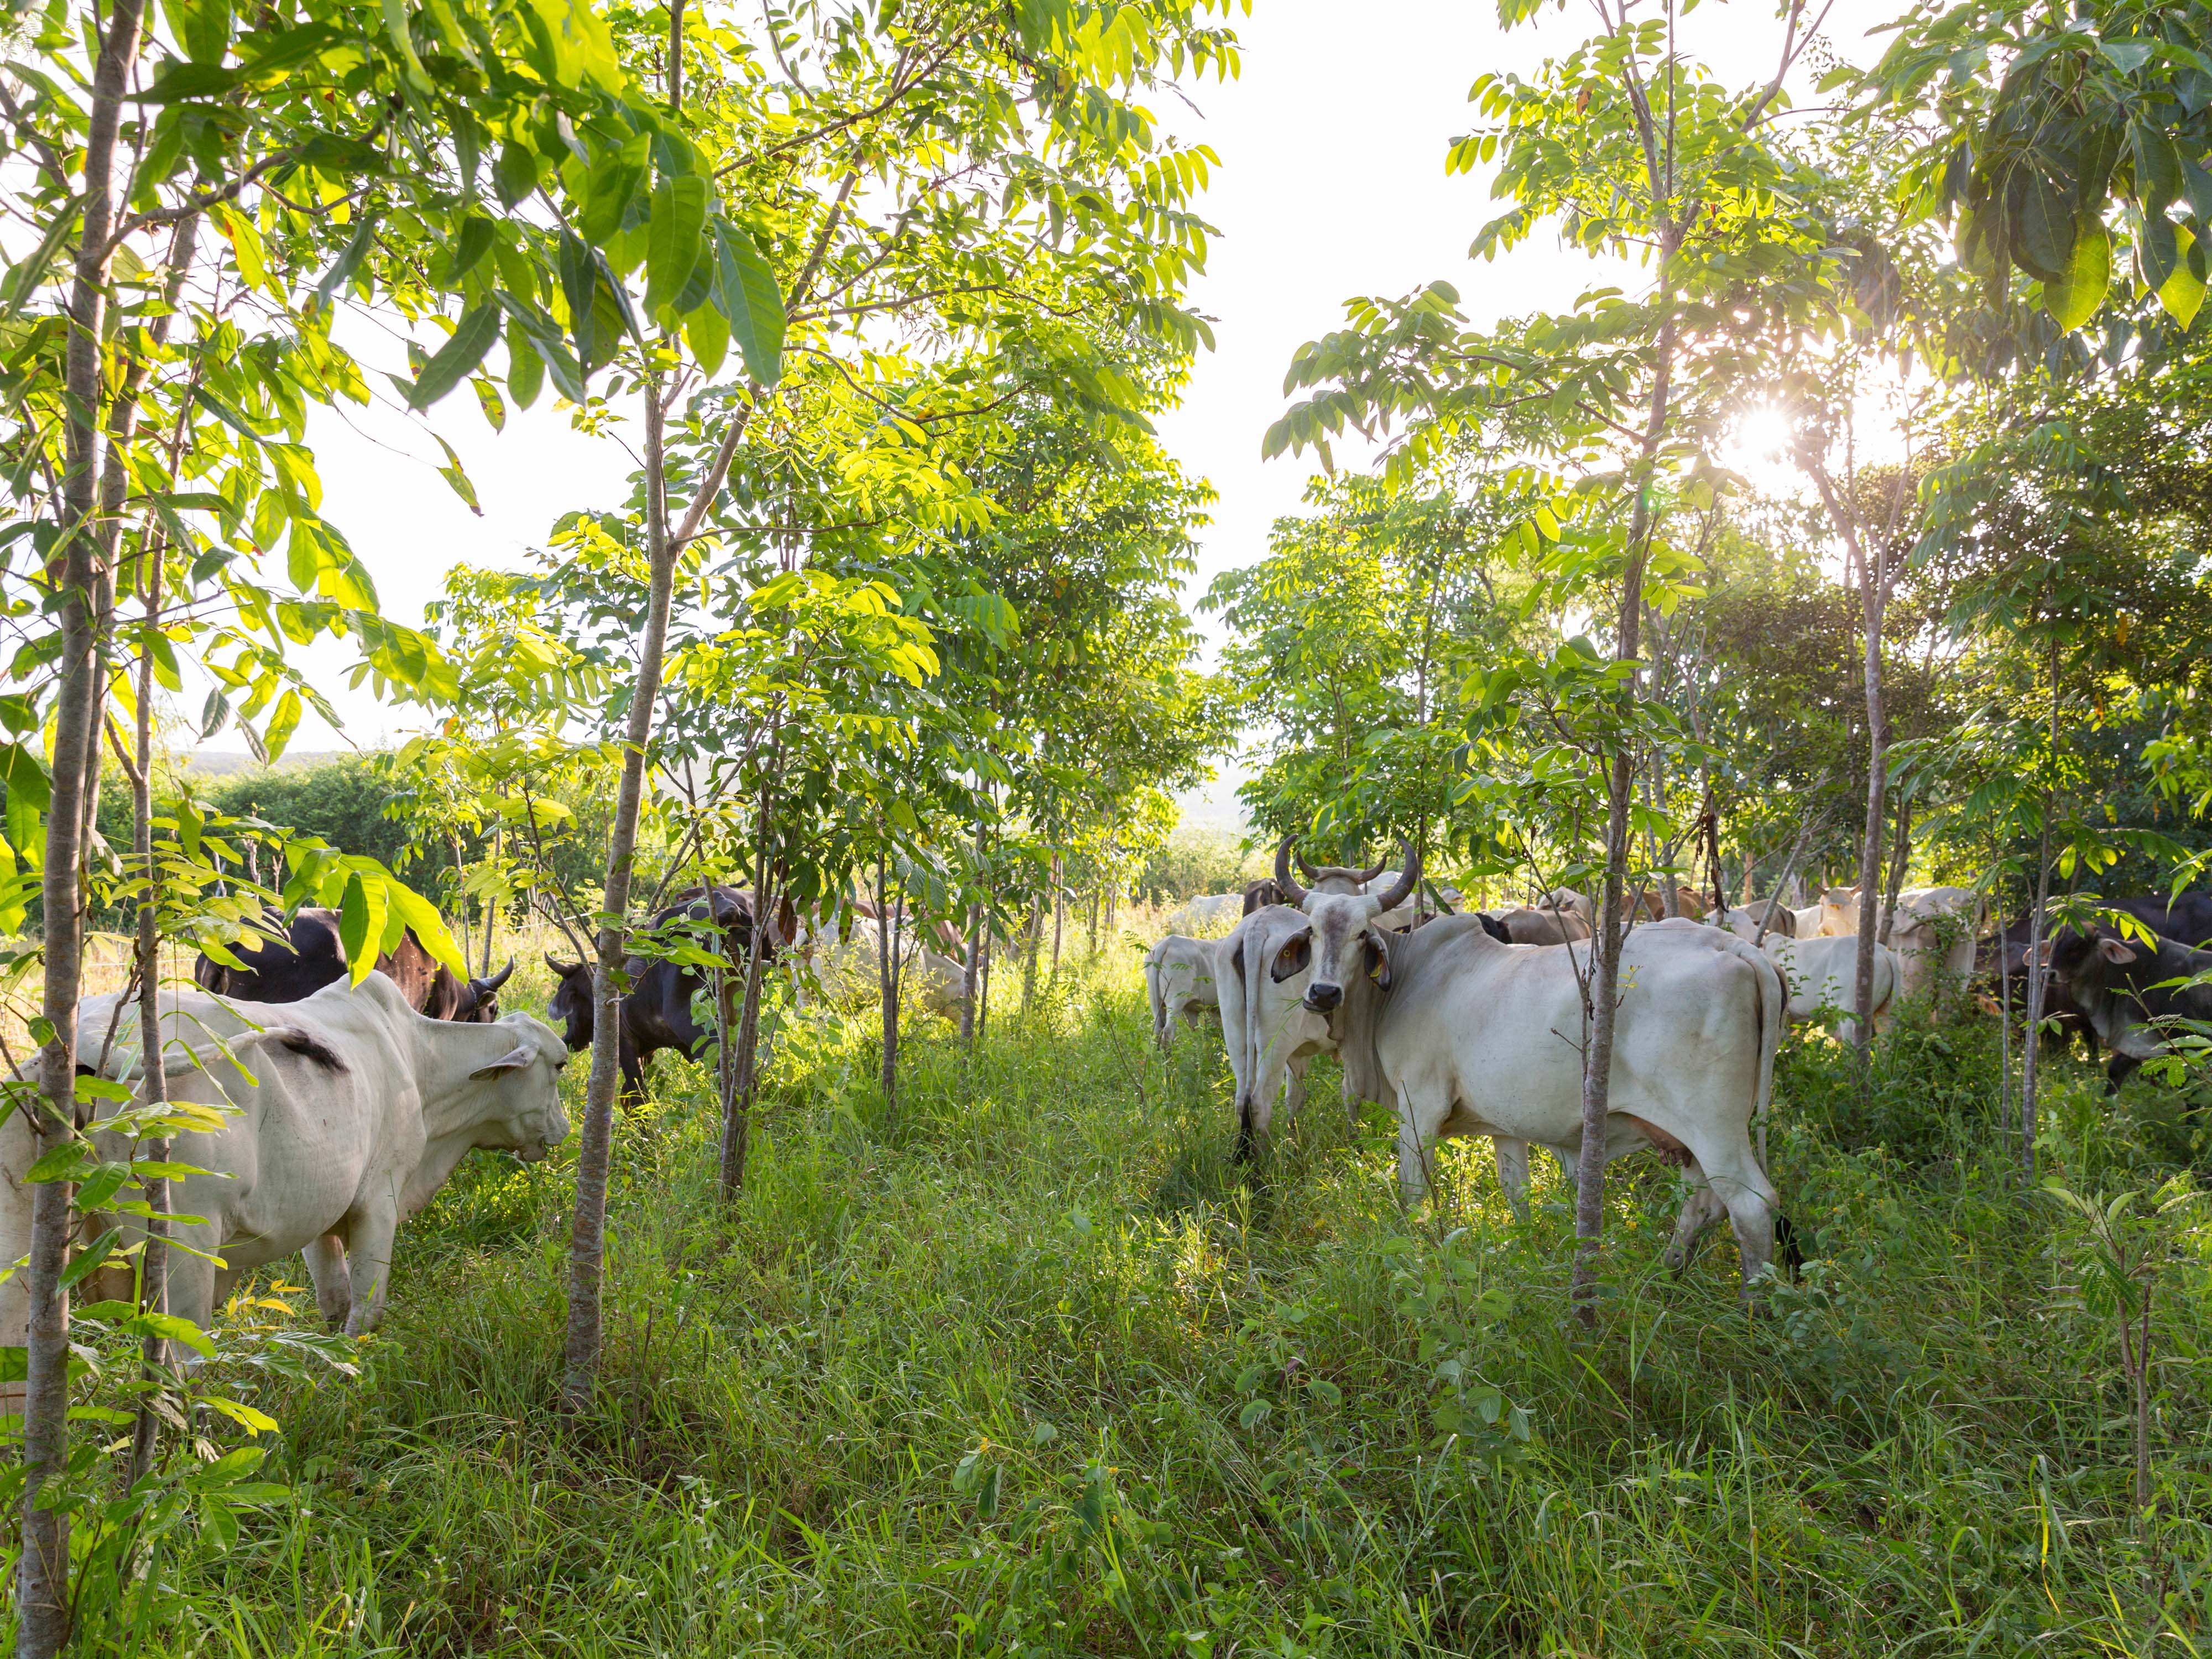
<point x="224" y="763"/>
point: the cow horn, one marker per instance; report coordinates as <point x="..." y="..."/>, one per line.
<point x="559" y="967"/>
<point x="1408" y="878"/>
<point x="1292" y="893"/>
<point x="1379" y="866"/>
<point x="481" y="989"/>
<point x="1311" y="874"/>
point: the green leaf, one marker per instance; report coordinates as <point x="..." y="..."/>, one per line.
<point x="457" y="359"/>
<point x="473" y="243"/>
<point x="2196" y="182"/>
<point x="2183" y="292"/>
<point x="673" y="243"/>
<point x="2158" y="169"/>
<point x="284" y="721"/>
<point x="751" y="302"/>
<point x="87" y="1261"/>
<point x="608" y="188"/>
<point x="2158" y="250"/>
<point x="353" y="926"/>
<point x="246" y="1418"/>
<point x="708" y="332"/>
<point x="2075" y="297"/>
<point x="516" y="174"/>
<point x="526" y="369"/>
<point x="580" y="279"/>
<point x="2127" y="56"/>
<point x="200" y="27"/>
<point x="175" y="1327"/>
<point x="182" y="81"/>
<point x="2045" y="241"/>
<point x="25" y="777"/>
<point x="1253" y="1411"/>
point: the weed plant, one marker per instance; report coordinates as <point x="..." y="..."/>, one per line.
<point x="1032" y="1367"/>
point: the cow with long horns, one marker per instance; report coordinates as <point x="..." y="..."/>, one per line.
<point x="1463" y="1034"/>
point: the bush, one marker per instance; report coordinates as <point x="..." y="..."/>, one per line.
<point x="1198" y="860"/>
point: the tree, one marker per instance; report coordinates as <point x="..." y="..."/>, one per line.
<point x="1633" y="153"/>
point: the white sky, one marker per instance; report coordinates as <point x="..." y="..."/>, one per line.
<point x="1331" y="185"/>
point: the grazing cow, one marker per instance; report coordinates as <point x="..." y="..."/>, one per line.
<point x="352" y="1110"/>
<point x="2120" y="986"/>
<point x="1469" y="1036"/>
<point x="1530" y="925"/>
<point x="1916" y="932"/>
<point x="1808" y="918"/>
<point x="314" y="955"/>
<point x="1179" y="983"/>
<point x="1746" y="920"/>
<point x="657" y="1010"/>
<point x="1823" y="973"/>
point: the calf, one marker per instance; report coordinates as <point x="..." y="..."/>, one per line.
<point x="346" y="1111"/>
<point x="2121" y="986"/>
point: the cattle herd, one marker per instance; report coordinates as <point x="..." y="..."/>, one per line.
<point x="348" y="1107"/>
<point x="1473" y="1023"/>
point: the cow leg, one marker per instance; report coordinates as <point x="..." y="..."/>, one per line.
<point x="1513" y="1173"/>
<point x="1294" y="1094"/>
<point x="326" y="1270"/>
<point x="1700" y="1210"/>
<point x="1743" y="1187"/>
<point x="191" y="1286"/>
<point x="1419" y="1122"/>
<point x="2122" y="1068"/>
<point x="368" y="1263"/>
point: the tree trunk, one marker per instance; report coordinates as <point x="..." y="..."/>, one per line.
<point x="587" y="1240"/>
<point x="1872" y="598"/>
<point x="42" y="1587"/>
<point x="983" y="978"/>
<point x="1030" y="957"/>
<point x="1097" y="897"/>
<point x="2031" y="1046"/>
<point x="1605" y="986"/>
<point x="887" y="956"/>
<point x="153" y="1260"/>
<point x="743" y="1080"/>
<point x="1900" y="858"/>
<point x="1059" y="912"/>
<point x="2004" y="1020"/>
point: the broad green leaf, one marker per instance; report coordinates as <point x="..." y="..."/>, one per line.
<point x="473" y="243"/>
<point x="752" y="303"/>
<point x="580" y="279"/>
<point x="608" y="188"/>
<point x="354" y="930"/>
<point x="284" y="721"/>
<point x="454" y="360"/>
<point x="25" y="778"/>
<point x="526" y="369"/>
<point x="672" y="245"/>
<point x="246" y="1418"/>
<point x="200" y="27"/>
<point x="2157" y="251"/>
<point x="2045" y="241"/>
<point x="421" y="916"/>
<point x="2158" y="169"/>
<point x="708" y="332"/>
<point x="2183" y="292"/>
<point x="2075" y="298"/>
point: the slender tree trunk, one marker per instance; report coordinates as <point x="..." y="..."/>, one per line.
<point x="1030" y="957"/>
<point x="971" y="967"/>
<point x="2004" y="1022"/>
<point x="2031" y="1047"/>
<point x="42" y="1587"/>
<point x="1059" y="912"/>
<point x="153" y="1260"/>
<point x="1872" y="598"/>
<point x="1097" y="897"/>
<point x="1900" y="858"/>
<point x="887" y="952"/>
<point x="742" y="1083"/>
<point x="2139" y="1374"/>
<point x="587" y="1241"/>
<point x="988" y="943"/>
<point x="1605" y="986"/>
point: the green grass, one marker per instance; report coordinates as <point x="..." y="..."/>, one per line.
<point x="1029" y="1366"/>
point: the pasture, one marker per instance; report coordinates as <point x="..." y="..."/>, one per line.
<point x="1032" y="1367"/>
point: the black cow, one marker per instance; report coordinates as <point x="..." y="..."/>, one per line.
<point x="2115" y="982"/>
<point x="313" y="955"/>
<point x="656" y="1012"/>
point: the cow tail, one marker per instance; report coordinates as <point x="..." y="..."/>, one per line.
<point x="1154" y="996"/>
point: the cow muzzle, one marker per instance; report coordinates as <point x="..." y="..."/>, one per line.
<point x="1322" y="999"/>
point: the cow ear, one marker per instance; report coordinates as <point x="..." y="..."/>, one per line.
<point x="1379" y="957"/>
<point x="514" y="1059"/>
<point x="2113" y="952"/>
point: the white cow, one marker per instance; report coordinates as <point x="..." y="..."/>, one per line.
<point x="1917" y="931"/>
<point x="1468" y="1035"/>
<point x="1745" y="920"/>
<point x="1179" y="983"/>
<point x="351" y="1109"/>
<point x="850" y="969"/>
<point x="1206" y="913"/>
<point x="1809" y="921"/>
<point x="1822" y="974"/>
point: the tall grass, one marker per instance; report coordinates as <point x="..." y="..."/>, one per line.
<point x="1032" y="1367"/>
